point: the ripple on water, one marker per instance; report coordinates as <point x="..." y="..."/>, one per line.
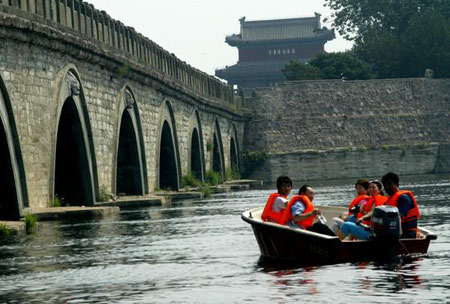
<point x="203" y="252"/>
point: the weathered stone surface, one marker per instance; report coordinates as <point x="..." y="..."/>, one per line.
<point x="335" y="129"/>
<point x="36" y="55"/>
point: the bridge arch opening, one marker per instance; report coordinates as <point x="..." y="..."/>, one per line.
<point x="168" y="169"/>
<point x="196" y="156"/>
<point x="129" y="167"/>
<point x="9" y="205"/>
<point x="14" y="195"/>
<point x="233" y="155"/>
<point x="234" y="149"/>
<point x="217" y="157"/>
<point x="73" y="184"/>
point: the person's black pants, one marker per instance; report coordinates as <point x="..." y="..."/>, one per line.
<point x="322" y="229"/>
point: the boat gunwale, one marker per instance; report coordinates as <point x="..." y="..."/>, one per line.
<point x="247" y="217"/>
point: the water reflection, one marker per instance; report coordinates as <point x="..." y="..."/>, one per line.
<point x="201" y="251"/>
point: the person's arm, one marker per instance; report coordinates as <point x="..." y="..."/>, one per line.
<point x="298" y="210"/>
<point x="302" y="217"/>
<point x="404" y="204"/>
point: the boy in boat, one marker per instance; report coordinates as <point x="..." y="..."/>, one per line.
<point x="405" y="202"/>
<point x="276" y="203"/>
<point x="300" y="212"/>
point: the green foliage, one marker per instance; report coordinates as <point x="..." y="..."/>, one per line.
<point x="103" y="194"/>
<point x="4" y="231"/>
<point x="341" y="65"/>
<point x="123" y="70"/>
<point x="398" y="38"/>
<point x="157" y="189"/>
<point x="295" y="70"/>
<point x="206" y="190"/>
<point x="30" y="223"/>
<point x="252" y="161"/>
<point x="209" y="146"/>
<point x="213" y="178"/>
<point x="232" y="173"/>
<point x="189" y="180"/>
<point x="57" y="202"/>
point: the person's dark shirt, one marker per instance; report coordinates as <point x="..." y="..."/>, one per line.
<point x="405" y="204"/>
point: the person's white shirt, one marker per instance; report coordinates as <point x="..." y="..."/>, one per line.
<point x="279" y="204"/>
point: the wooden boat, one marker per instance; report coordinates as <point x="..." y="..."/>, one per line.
<point x="284" y="243"/>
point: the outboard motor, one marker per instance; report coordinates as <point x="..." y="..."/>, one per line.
<point x="386" y="222"/>
<point x="386" y="228"/>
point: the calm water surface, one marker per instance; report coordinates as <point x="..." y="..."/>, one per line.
<point x="202" y="251"/>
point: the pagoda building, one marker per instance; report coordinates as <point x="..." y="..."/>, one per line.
<point x="266" y="46"/>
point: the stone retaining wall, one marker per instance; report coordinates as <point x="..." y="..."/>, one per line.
<point x="351" y="128"/>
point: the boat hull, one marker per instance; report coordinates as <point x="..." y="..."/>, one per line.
<point x="289" y="244"/>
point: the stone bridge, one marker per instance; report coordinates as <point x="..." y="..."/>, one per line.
<point x="87" y="104"/>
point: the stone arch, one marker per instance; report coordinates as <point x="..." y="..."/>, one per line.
<point x="130" y="170"/>
<point x="234" y="148"/>
<point x="196" y="153"/>
<point x="217" y="150"/>
<point x="168" y="157"/>
<point x="12" y="172"/>
<point x="74" y="172"/>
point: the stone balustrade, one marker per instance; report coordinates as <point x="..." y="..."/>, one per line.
<point x="89" y="22"/>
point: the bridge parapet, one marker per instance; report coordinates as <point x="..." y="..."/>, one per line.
<point x="93" y="24"/>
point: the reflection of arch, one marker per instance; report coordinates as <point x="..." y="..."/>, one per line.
<point x="234" y="148"/>
<point x="168" y="159"/>
<point x="196" y="152"/>
<point x="74" y="174"/>
<point x="130" y="174"/>
<point x="217" y="156"/>
<point x="12" y="173"/>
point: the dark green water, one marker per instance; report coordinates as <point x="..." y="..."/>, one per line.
<point x="199" y="252"/>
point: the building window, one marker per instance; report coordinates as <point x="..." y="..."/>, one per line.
<point x="288" y="51"/>
<point x="279" y="52"/>
<point x="293" y="51"/>
<point x="270" y="52"/>
<point x="284" y="51"/>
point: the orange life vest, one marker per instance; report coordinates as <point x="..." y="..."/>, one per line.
<point x="287" y="215"/>
<point x="378" y="200"/>
<point x="413" y="213"/>
<point x="270" y="215"/>
<point x="356" y="201"/>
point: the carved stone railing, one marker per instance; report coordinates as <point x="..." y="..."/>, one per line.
<point x="85" y="19"/>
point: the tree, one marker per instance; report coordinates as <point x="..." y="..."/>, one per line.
<point x="329" y="66"/>
<point x="357" y="18"/>
<point x="295" y="70"/>
<point x="399" y="38"/>
<point x="341" y="65"/>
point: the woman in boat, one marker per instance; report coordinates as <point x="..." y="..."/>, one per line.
<point x="276" y="203"/>
<point x="377" y="198"/>
<point x="362" y="232"/>
<point x="361" y="187"/>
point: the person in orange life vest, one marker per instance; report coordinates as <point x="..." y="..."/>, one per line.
<point x="361" y="187"/>
<point x="405" y="202"/>
<point x="377" y="198"/>
<point x="276" y="203"/>
<point x="362" y="232"/>
<point x="361" y="199"/>
<point x="300" y="212"/>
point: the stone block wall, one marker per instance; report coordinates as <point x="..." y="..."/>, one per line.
<point x="375" y="115"/>
<point x="35" y="59"/>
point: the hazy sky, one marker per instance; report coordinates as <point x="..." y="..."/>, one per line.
<point x="195" y="30"/>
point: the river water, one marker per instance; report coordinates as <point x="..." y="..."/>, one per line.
<point x="197" y="252"/>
